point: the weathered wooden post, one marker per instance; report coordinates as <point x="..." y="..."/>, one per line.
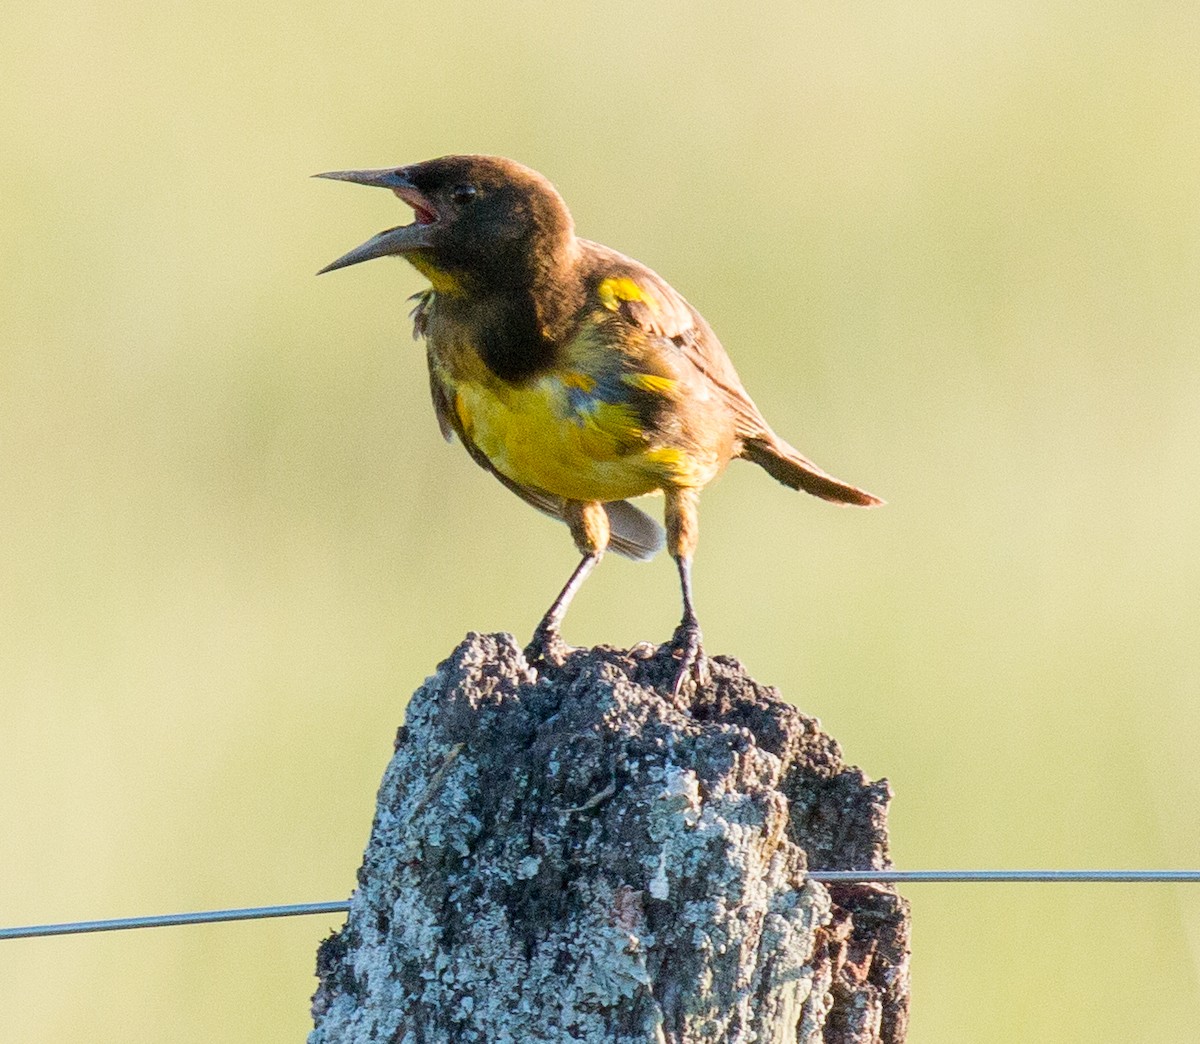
<point x="568" y="855"/>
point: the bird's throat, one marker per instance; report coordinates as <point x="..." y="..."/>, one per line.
<point x="512" y="341"/>
<point x="442" y="280"/>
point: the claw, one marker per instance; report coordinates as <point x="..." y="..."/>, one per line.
<point x="692" y="661"/>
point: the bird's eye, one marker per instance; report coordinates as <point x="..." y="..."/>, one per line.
<point x="463" y="193"/>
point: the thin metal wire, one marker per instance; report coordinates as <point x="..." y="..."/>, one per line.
<point x="1006" y="876"/>
<point x="251" y="913"/>
<point x="254" y="913"/>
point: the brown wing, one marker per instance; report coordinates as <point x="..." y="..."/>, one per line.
<point x="649" y="302"/>
<point x="646" y="300"/>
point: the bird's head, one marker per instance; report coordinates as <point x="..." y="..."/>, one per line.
<point x="480" y="221"/>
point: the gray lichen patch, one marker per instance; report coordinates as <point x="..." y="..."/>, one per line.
<point x="570" y="856"/>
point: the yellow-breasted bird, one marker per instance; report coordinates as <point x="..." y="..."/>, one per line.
<point x="575" y="375"/>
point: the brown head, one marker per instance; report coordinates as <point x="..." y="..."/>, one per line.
<point x="481" y="222"/>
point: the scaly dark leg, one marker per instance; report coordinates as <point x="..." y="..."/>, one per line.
<point x="683" y="532"/>
<point x="687" y="639"/>
<point x="546" y="643"/>
<point x="588" y="522"/>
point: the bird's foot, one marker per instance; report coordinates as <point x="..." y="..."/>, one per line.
<point x="547" y="647"/>
<point x="693" y="663"/>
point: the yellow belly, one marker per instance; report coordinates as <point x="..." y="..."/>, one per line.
<point x="539" y="436"/>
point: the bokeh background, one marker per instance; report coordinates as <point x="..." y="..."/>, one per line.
<point x="955" y="252"/>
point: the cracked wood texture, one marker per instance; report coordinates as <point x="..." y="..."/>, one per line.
<point x="563" y="853"/>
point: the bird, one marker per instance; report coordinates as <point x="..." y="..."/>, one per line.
<point x="575" y="375"/>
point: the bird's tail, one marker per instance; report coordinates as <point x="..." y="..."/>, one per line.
<point x="634" y="534"/>
<point x="783" y="462"/>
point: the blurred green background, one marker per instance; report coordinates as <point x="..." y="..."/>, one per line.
<point x="955" y="252"/>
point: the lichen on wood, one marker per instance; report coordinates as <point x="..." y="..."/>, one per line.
<point x="563" y="853"/>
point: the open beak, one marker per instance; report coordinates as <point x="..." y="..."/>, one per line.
<point x="399" y="240"/>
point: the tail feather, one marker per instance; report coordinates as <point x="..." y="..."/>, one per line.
<point x="634" y="534"/>
<point x="786" y="464"/>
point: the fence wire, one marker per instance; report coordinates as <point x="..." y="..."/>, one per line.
<point x="256" y="913"/>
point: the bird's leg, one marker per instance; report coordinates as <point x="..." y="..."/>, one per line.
<point x="546" y="644"/>
<point x="682" y="537"/>
<point x="589" y="527"/>
<point x="687" y="638"/>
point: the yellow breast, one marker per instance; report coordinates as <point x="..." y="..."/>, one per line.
<point x="551" y="435"/>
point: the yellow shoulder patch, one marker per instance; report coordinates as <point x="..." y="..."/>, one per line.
<point x="650" y="382"/>
<point x="615" y="289"/>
